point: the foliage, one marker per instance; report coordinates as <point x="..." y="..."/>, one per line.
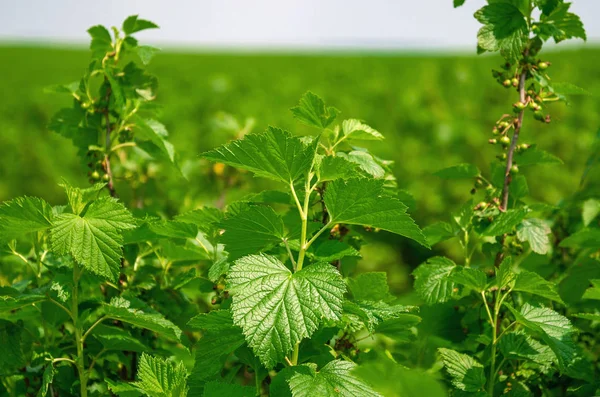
<point x="261" y="294"/>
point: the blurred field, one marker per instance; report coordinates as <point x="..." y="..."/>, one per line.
<point x="436" y="111"/>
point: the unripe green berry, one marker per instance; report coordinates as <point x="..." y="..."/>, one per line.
<point x="505" y="140"/>
<point x="543" y="65"/>
<point x="95" y="175"/>
<point x="506" y="83"/>
<point x="105" y="177"/>
<point x="514" y="169"/>
<point x="492" y="141"/>
<point x="519" y="105"/>
<point x="514" y="82"/>
<point x="539" y="115"/>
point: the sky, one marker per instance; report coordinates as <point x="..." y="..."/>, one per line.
<point x="265" y="24"/>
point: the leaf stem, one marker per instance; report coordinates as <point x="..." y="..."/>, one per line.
<point x="110" y="184"/>
<point x="312" y="240"/>
<point x="287" y="247"/>
<point x="92" y="327"/>
<point x="80" y="361"/>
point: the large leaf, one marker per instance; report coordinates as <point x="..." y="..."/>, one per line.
<point x="534" y="155"/>
<point x="333" y="380"/>
<point x="370" y="286"/>
<point x="94" y="239"/>
<point x="518" y="345"/>
<point x="277" y="309"/>
<point x="160" y="378"/>
<point x="469" y="277"/>
<point x="504" y="29"/>
<point x="554" y="329"/>
<point x="24" y="215"/>
<point x="312" y="111"/>
<point x="561" y="24"/>
<point x="252" y="231"/>
<point x="274" y="154"/>
<point x="535" y="284"/>
<point x="123" y="310"/>
<point x="361" y="201"/>
<point x="467" y="374"/>
<point x="432" y="280"/>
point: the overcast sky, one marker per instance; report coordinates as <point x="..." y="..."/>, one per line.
<point x="377" y="24"/>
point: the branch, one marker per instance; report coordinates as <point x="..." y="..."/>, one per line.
<point x="513" y="143"/>
<point x="110" y="184"/>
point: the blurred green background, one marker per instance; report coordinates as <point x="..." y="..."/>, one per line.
<point x="435" y="110"/>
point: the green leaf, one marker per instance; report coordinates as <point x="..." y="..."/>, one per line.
<point x="365" y="161"/>
<point x="101" y="41"/>
<point x="554" y="329"/>
<point x="469" y="277"/>
<point x="10" y="303"/>
<point x="569" y="89"/>
<point x="535" y="232"/>
<point x="133" y="24"/>
<point x="47" y="379"/>
<point x="330" y="168"/>
<point x="333" y="380"/>
<point x="123" y="389"/>
<point x="331" y="250"/>
<point x="584" y="238"/>
<point x="561" y="24"/>
<point x="394" y="380"/>
<point x="467" y="374"/>
<point x="592" y="292"/>
<point x="160" y="378"/>
<point x="371" y="286"/>
<point x="277" y="309"/>
<point x="362" y="201"/>
<point x="591" y="209"/>
<point x="220" y="389"/>
<point x="252" y="231"/>
<point x="142" y="317"/>
<point x="504" y="29"/>
<point x="458" y="3"/>
<point x="505" y="222"/>
<point x="460" y="171"/>
<point x="432" y="280"/>
<point x="206" y="219"/>
<point x="534" y="155"/>
<point x="11" y="351"/>
<point x="94" y="239"/>
<point x="79" y="198"/>
<point x="535" y="284"/>
<point x="24" y="215"/>
<point x="215" y="320"/>
<point x="274" y="154"/>
<point x="438" y="232"/>
<point x="113" y="338"/>
<point x="146" y="53"/>
<point x="211" y="352"/>
<point x="356" y="130"/>
<point x="312" y="111"/>
<point x="153" y="131"/>
<point x="374" y="313"/>
<point x="520" y="346"/>
<point x="505" y="275"/>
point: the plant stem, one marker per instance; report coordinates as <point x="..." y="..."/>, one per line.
<point x="513" y="143"/>
<point x="80" y="361"/>
<point x="110" y="184"/>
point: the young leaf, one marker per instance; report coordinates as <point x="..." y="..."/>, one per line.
<point x="505" y="275"/>
<point x="133" y="24"/>
<point x="561" y="24"/>
<point x="160" y="378"/>
<point x="333" y="380"/>
<point x="438" y="232"/>
<point x="554" y="329"/>
<point x="101" y="41"/>
<point x="365" y="162"/>
<point x="121" y="309"/>
<point x="24" y="215"/>
<point x="361" y="201"/>
<point x="504" y="29"/>
<point x="94" y="238"/>
<point x="312" y="111"/>
<point x="331" y="250"/>
<point x="460" y="171"/>
<point x="274" y="154"/>
<point x="467" y="374"/>
<point x="277" y="309"/>
<point x="535" y="284"/>
<point x="535" y="232"/>
<point x="252" y="231"/>
<point x="432" y="281"/>
<point x="356" y="130"/>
